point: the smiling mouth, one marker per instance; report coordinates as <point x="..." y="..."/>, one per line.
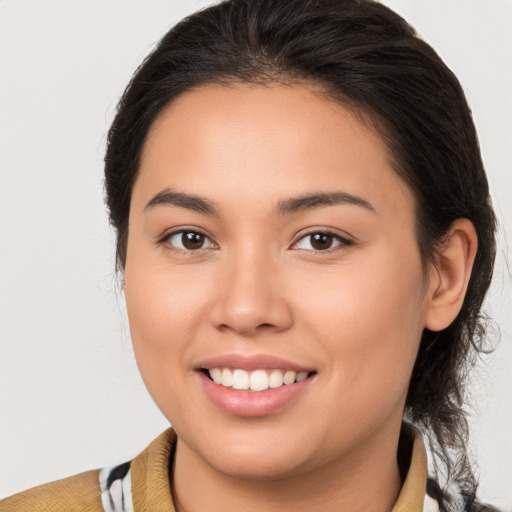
<point x="255" y="380"/>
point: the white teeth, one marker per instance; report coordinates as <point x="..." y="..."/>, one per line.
<point x="289" y="377"/>
<point x="301" y="376"/>
<point x="240" y="379"/>
<point x="276" y="379"/>
<point x="257" y="380"/>
<point x="216" y="375"/>
<point x="226" y="377"/>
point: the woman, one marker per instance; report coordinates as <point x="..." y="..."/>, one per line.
<point x="306" y="236"/>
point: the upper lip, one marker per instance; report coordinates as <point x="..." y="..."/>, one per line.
<point x="252" y="362"/>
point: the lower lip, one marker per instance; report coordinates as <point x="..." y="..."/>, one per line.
<point x="252" y="403"/>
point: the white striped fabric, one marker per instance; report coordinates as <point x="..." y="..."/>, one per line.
<point x="116" y="489"/>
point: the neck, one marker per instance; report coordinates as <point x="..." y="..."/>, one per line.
<point x="368" y="481"/>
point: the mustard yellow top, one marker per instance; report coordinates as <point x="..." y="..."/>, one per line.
<point x="150" y="485"/>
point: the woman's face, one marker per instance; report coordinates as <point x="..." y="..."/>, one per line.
<point x="269" y="234"/>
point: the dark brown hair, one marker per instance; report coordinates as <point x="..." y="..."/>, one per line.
<point x="367" y="57"/>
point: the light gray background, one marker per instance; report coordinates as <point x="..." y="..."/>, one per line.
<point x="71" y="397"/>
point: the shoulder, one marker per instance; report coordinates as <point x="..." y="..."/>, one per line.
<point x="78" y="492"/>
<point x="142" y="483"/>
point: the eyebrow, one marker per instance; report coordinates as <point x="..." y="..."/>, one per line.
<point x="320" y="199"/>
<point x="188" y="201"/>
<point x="284" y="207"/>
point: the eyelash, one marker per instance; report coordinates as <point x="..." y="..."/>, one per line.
<point x="165" y="240"/>
<point x="342" y="241"/>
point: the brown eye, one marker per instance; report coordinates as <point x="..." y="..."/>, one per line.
<point x="189" y="240"/>
<point x="321" y="241"/>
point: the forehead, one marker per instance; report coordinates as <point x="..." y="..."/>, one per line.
<point x="263" y="142"/>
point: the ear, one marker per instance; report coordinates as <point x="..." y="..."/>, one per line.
<point x="449" y="276"/>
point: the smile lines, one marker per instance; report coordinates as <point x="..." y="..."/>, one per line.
<point x="257" y="380"/>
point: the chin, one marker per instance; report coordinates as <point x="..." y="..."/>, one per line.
<point x="258" y="468"/>
<point x="271" y="459"/>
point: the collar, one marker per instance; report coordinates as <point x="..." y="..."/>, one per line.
<point x="412" y="494"/>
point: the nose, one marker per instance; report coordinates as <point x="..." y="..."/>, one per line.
<point x="250" y="297"/>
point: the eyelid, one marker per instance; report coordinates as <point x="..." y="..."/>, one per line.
<point x="164" y="238"/>
<point x="344" y="239"/>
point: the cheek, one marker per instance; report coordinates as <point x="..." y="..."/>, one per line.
<point x="165" y="310"/>
<point x="369" y="320"/>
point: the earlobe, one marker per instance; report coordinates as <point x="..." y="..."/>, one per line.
<point x="449" y="277"/>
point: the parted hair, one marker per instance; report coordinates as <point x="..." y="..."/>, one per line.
<point x="367" y="57"/>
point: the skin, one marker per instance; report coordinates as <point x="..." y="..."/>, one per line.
<point x="354" y="312"/>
